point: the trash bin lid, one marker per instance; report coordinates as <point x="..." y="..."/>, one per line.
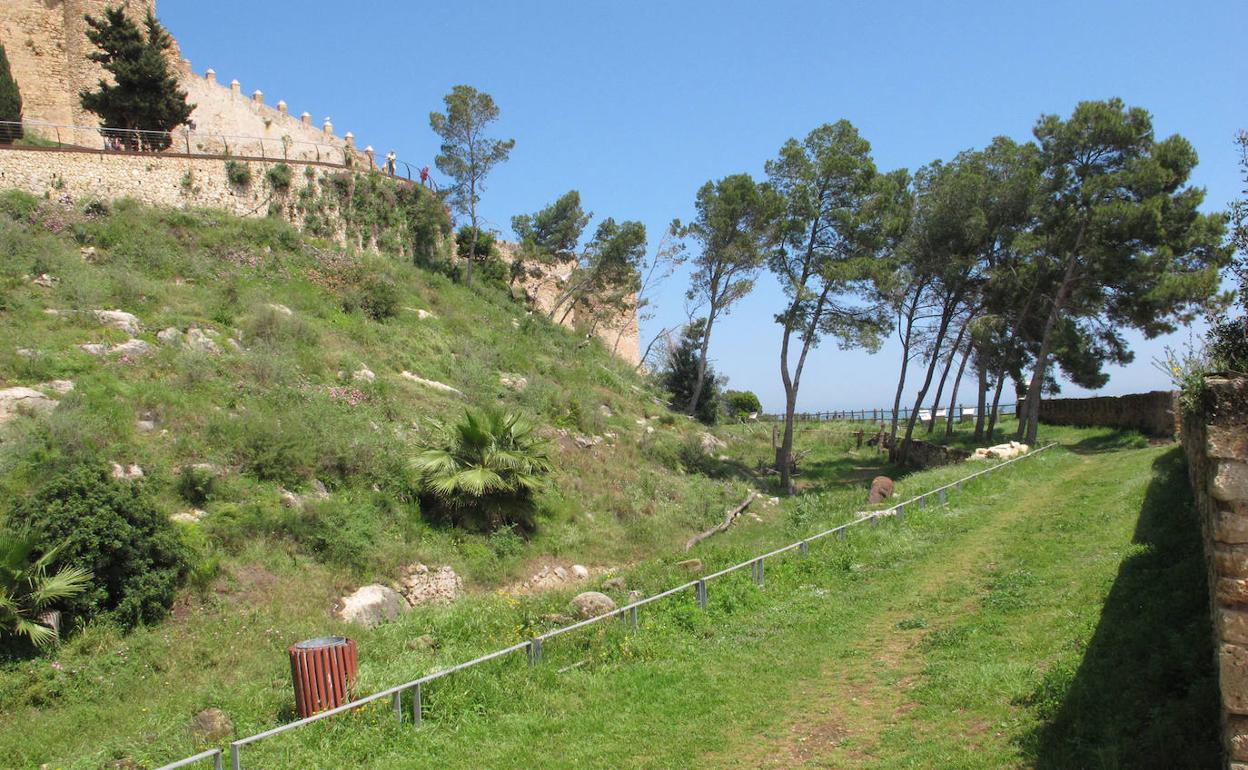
<point x="321" y="641"/>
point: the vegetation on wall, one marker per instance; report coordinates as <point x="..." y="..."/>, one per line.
<point x="144" y="95"/>
<point x="238" y="173"/>
<point x="10" y="103"/>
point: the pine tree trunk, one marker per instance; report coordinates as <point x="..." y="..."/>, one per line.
<point x="953" y="398"/>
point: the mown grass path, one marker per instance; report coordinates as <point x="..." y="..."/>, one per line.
<point x="953" y="672"/>
<point x="969" y="636"/>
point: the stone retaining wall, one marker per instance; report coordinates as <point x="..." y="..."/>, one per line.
<point x="1153" y="413"/>
<point x="1215" y="440"/>
<point x="155" y="179"/>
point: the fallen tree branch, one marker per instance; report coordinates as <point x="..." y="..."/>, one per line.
<point x="723" y="526"/>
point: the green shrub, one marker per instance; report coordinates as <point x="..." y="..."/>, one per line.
<point x="112" y="529"/>
<point x="740" y="404"/>
<point x="238" y="173"/>
<point x="378" y="298"/>
<point x="485" y="472"/>
<point x="279" y="177"/>
<point x="273" y="450"/>
<point x="196" y="485"/>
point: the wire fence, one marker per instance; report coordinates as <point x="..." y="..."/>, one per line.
<point x="628" y="613"/>
<point x="961" y="414"/>
<point x="187" y="141"/>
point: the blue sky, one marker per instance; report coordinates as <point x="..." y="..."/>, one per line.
<point x="637" y="104"/>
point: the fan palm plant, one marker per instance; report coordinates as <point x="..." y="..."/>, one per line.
<point x="486" y="471"/>
<point x="27" y="591"/>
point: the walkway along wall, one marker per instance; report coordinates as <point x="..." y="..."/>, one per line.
<point x="1215" y="440"/>
<point x="1152" y="413"/>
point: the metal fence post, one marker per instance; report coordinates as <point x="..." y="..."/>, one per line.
<point x="632" y="617"/>
<point x="841" y="534"/>
<point x="236" y="760"/>
<point x="417" y="717"/>
<point x="875" y="520"/>
<point x="759" y="572"/>
<point x="218" y="762"/>
<point x="396" y="702"/>
<point x="804" y="548"/>
<point x="700" y="591"/>
<point x="535" y="650"/>
<point x="942" y="497"/>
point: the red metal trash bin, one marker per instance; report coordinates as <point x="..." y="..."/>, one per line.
<point x="323" y="671"/>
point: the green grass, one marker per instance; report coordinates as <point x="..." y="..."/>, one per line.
<point x="1014" y="638"/>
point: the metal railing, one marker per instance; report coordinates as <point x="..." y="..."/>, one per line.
<point x="627" y="613"/>
<point x="187" y="141"/>
<point x="884" y="415"/>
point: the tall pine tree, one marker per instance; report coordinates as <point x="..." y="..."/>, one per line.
<point x="10" y="103"/>
<point x="144" y="103"/>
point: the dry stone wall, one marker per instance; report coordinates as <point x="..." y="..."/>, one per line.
<point x="1215" y="440"/>
<point x="1153" y="413"/>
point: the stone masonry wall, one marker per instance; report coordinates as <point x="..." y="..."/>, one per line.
<point x="1215" y="440"/>
<point x="47" y="47"/>
<point x="1153" y="413"/>
<point x="158" y="180"/>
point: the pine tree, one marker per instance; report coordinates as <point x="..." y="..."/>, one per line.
<point x="10" y="103"/>
<point x="145" y="96"/>
<point x="680" y="375"/>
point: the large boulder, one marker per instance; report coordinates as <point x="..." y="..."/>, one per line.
<point x="131" y="347"/>
<point x="1001" y="451"/>
<point x="211" y="726"/>
<point x="709" y="442"/>
<point x="421" y="585"/>
<point x="590" y="604"/>
<point x="199" y="341"/>
<point x="881" y="489"/>
<point x="371" y="605"/>
<point x="15" y="401"/>
<point x="119" y="319"/>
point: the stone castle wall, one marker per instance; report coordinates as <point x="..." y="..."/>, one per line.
<point x="47" y="47"/>
<point x="1153" y="413"/>
<point x="157" y="180"/>
<point x="1215" y="440"/>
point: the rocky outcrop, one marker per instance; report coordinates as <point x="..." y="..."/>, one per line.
<point x="590" y="604"/>
<point x="1006" y="451"/>
<point x="17" y="401"/>
<point x="211" y="726"/>
<point x="421" y="585"/>
<point x="371" y="605"/>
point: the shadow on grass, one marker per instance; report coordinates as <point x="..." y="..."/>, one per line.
<point x="1109" y="441"/>
<point x="1144" y="694"/>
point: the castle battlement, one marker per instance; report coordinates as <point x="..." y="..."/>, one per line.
<point x="47" y="47"/>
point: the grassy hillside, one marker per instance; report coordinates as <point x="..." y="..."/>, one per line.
<point x="271" y="412"/>
<point x="277" y="408"/>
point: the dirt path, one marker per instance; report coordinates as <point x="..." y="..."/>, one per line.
<point x="836" y="719"/>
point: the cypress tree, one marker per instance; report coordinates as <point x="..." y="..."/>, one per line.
<point x="10" y="103"/>
<point x="145" y="95"/>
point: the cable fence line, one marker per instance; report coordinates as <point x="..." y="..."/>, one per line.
<point x="626" y="613"/>
<point x="961" y="414"/>
<point x="185" y="141"/>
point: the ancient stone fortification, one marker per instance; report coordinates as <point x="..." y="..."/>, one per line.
<point x="47" y="48"/>
<point x="1215" y="440"/>
<point x="617" y="330"/>
<point x="1153" y="413"/>
<point x="158" y="180"/>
